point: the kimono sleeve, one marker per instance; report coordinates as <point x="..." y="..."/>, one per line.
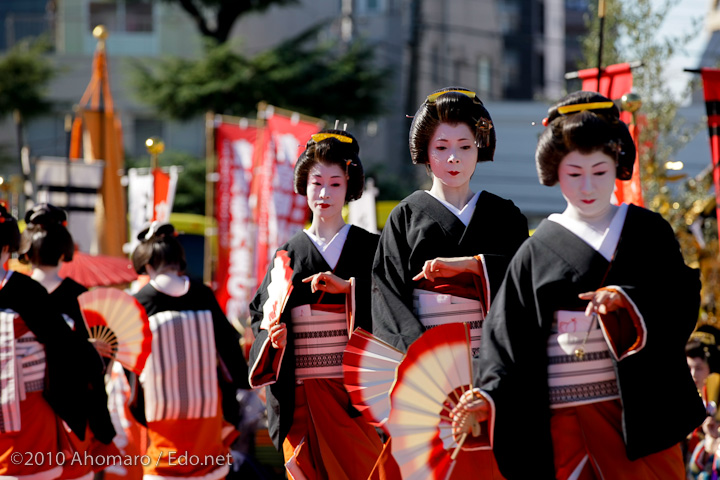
<point x="392" y="317"/>
<point x="264" y="360"/>
<point x="511" y="369"/>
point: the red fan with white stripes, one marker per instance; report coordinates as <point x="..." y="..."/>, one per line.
<point x="435" y="372"/>
<point x="369" y="366"/>
<point x="117" y="325"/>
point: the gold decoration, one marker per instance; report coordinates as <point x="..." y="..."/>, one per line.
<point x="631" y="102"/>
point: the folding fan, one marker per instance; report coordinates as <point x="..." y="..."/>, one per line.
<point x="369" y="366"/>
<point x="435" y="372"/>
<point x="278" y="290"/>
<point x="118" y="325"/>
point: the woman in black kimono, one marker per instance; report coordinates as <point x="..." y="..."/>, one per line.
<point x="191" y="378"/>
<point x="446" y="239"/>
<point x="45" y="374"/>
<point x="584" y="346"/>
<point x="45" y="244"/>
<point x="443" y="252"/>
<point x="298" y="355"/>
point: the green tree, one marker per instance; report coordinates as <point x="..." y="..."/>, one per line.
<point x="318" y="79"/>
<point x="222" y="14"/>
<point x="24" y="77"/>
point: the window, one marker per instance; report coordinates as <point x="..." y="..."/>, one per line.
<point x="122" y="15"/>
<point x="369" y="7"/>
<point x="484" y="77"/>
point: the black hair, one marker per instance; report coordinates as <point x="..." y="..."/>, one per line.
<point x="452" y="107"/>
<point x="332" y="151"/>
<point x="158" y="247"/>
<point x="46" y="239"/>
<point x="587" y="131"/>
<point x="9" y="231"/>
<point x="703" y="344"/>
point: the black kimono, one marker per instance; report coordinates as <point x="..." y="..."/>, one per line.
<point x="65" y="299"/>
<point x="659" y="402"/>
<point x="355" y="261"/>
<point x="421" y="228"/>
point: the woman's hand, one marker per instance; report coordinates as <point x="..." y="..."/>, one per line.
<point x="602" y="301"/>
<point x="278" y="335"/>
<point x="327" y="282"/>
<point x="468" y="413"/>
<point x="448" y="267"/>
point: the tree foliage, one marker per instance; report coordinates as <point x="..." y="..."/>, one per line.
<point x="319" y="79"/>
<point x="24" y="77"/>
<point x="215" y="18"/>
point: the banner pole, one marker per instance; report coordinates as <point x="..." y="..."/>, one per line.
<point x="209" y="196"/>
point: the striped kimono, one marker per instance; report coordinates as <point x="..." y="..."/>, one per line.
<point x="189" y="384"/>
<point x="44" y="380"/>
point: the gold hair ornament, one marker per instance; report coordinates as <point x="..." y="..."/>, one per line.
<point x="704" y="337"/>
<point x="434" y="96"/>
<point x="319" y="137"/>
<point x="581" y="107"/>
<point x="482" y="132"/>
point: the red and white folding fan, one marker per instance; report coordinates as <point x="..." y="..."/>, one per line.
<point x="435" y="372"/>
<point x="369" y="366"/>
<point x="279" y="289"/>
<point x="118" y="325"/>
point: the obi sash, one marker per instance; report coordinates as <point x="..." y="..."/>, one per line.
<point x="577" y="380"/>
<point x="320" y="338"/>
<point x="433" y="309"/>
<point x="180" y="376"/>
<point x="22" y="370"/>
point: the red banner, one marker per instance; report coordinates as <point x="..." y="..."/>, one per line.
<point x="711" y="86"/>
<point x="616" y="81"/>
<point x="161" y="189"/>
<point x="235" y="274"/>
<point x="280" y="212"/>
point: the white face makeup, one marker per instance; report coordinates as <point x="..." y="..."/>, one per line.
<point x="587" y="183"/>
<point x="453" y="155"/>
<point x="326" y="190"/>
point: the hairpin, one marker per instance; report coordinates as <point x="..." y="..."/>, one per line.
<point x="434" y="96"/>
<point x="581" y="107"/>
<point x="319" y="137"/>
<point x="482" y="134"/>
<point x="704" y="337"/>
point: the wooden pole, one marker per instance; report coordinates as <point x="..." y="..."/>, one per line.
<point x="601" y="16"/>
<point x="209" y="196"/>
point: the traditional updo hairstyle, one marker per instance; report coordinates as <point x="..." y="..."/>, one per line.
<point x="453" y="107"/>
<point x="9" y="231"/>
<point x="332" y="147"/>
<point x="159" y="247"/>
<point x="46" y="239"/>
<point x="586" y="122"/>
<point x="703" y="344"/>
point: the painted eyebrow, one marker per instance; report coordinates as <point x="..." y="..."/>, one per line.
<point x="459" y="140"/>
<point x="319" y="175"/>
<point x="599" y="164"/>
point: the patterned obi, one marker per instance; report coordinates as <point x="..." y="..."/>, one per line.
<point x="320" y="338"/>
<point x="180" y="376"/>
<point x="577" y="380"/>
<point x="433" y="309"/>
<point x="22" y="370"/>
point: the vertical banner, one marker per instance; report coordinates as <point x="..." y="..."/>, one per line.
<point x="280" y="212"/>
<point x="711" y="87"/>
<point x="235" y="273"/>
<point x="164" y="185"/>
<point x="150" y="198"/>
<point x="616" y="81"/>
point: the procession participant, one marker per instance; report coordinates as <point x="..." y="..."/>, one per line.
<point x="45" y="244"/>
<point x="591" y="319"/>
<point x="44" y="372"/>
<point x="444" y="251"/>
<point x="447" y="239"/>
<point x="298" y="354"/>
<point x="189" y="383"/>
